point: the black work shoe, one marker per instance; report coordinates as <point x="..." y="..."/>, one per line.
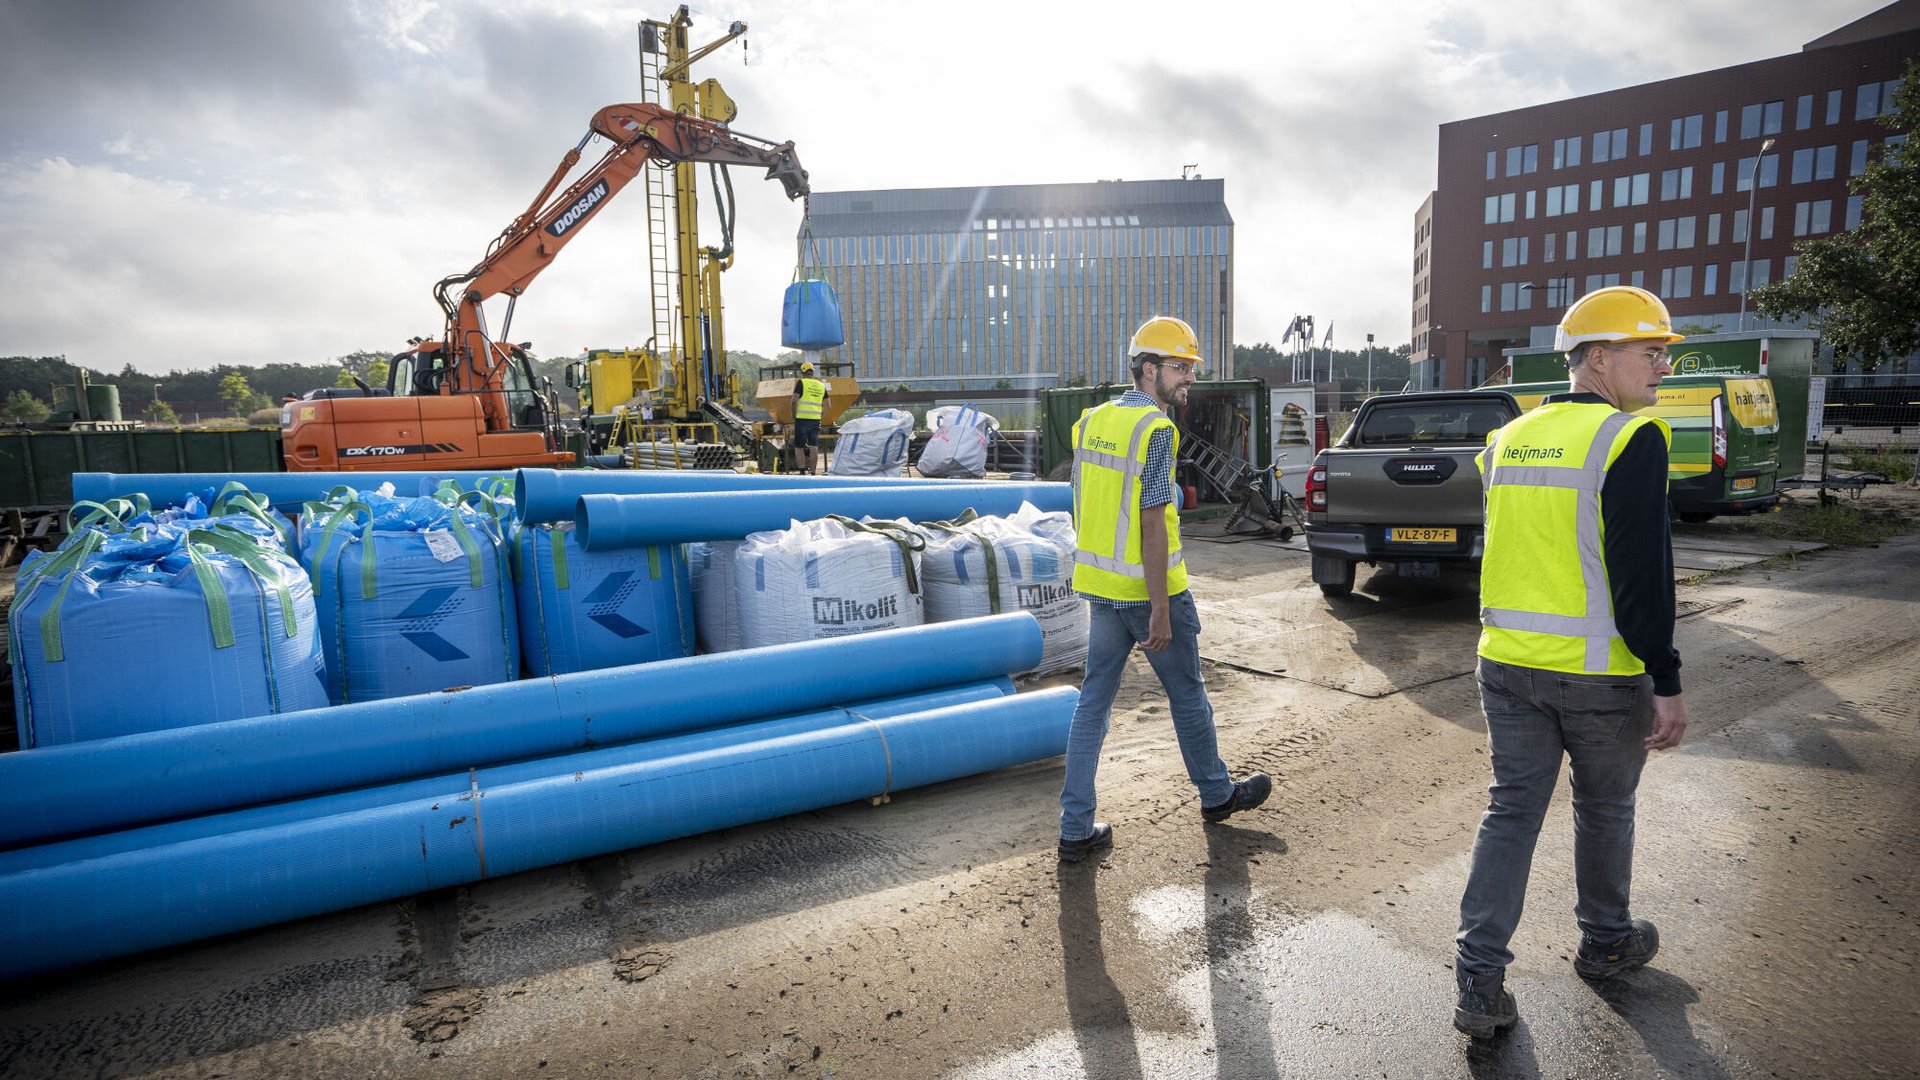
<point x="1631" y="953"/>
<point x="1247" y="794"/>
<point x="1100" y="840"/>
<point x="1487" y="1010"/>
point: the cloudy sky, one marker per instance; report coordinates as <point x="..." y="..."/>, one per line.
<point x="185" y="183"/>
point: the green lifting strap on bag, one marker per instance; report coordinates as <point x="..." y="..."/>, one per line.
<point x="988" y="553"/>
<point x="63" y="567"/>
<point x="907" y="536"/>
<point x="235" y="498"/>
<point x="246" y="552"/>
<point x="113" y="513"/>
<point x="339" y="517"/>
<point x="495" y="486"/>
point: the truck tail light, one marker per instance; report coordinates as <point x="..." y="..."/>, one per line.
<point x="1317" y="488"/>
<point x="1720" y="432"/>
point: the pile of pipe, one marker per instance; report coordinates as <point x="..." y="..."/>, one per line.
<point x="676" y="455"/>
<point x="111" y="846"/>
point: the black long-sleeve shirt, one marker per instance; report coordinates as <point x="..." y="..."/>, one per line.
<point x="1639" y="550"/>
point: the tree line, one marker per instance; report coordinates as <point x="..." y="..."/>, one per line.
<point x="27" y="384"/>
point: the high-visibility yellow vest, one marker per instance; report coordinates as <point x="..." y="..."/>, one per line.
<point x="813" y="395"/>
<point x="1109" y="458"/>
<point x="1545" y="599"/>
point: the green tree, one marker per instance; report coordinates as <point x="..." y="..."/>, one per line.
<point x="1695" y="329"/>
<point x="23" y="407"/>
<point x="236" y="392"/>
<point x="159" y="412"/>
<point x="1861" y="288"/>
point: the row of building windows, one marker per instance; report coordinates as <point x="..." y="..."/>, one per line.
<point x="1808" y="165"/>
<point x="1686" y="132"/>
<point x="995" y="319"/>
<point x="993" y="244"/>
<point x="1811" y="217"/>
<point x="1676" y="283"/>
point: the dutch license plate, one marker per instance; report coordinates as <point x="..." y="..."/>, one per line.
<point x="1746" y="483"/>
<point x="1404" y="535"/>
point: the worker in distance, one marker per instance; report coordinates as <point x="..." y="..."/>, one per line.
<point x="1129" y="566"/>
<point x="809" y="402"/>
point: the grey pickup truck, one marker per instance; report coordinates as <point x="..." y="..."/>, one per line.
<point x="1400" y="487"/>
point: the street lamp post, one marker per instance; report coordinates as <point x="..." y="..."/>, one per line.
<point x="1746" y="259"/>
<point x="1369" y="391"/>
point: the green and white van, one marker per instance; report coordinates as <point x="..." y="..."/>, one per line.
<point x="1734" y="438"/>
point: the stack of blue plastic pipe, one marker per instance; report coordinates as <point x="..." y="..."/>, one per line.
<point x="281" y="817"/>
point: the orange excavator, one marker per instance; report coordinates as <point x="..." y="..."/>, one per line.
<point x="469" y="400"/>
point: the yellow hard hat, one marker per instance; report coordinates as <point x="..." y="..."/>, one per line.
<point x="806" y="368"/>
<point x="1164" y="335"/>
<point x="1615" y="313"/>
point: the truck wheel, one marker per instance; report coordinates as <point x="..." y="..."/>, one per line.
<point x="1342" y="586"/>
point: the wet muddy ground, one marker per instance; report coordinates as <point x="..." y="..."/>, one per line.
<point x="936" y="935"/>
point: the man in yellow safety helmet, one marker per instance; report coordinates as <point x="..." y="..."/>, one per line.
<point x="1129" y="567"/>
<point x="1576" y="644"/>
<point x="809" y="401"/>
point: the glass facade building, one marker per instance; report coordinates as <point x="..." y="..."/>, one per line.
<point x="1024" y="286"/>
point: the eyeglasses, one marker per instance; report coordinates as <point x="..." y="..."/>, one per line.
<point x="1186" y="366"/>
<point x="1651" y="356"/>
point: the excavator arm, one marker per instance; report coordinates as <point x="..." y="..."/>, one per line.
<point x="472" y="363"/>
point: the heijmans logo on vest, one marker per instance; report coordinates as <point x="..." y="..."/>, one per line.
<point x="578" y="212"/>
<point x="841" y="610"/>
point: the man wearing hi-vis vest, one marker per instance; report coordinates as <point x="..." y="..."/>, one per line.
<point x="1129" y="567"/>
<point x="1576" y="644"/>
<point x="809" y="403"/>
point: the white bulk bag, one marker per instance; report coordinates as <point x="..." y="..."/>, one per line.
<point x="1022" y="562"/>
<point x="827" y="578"/>
<point x="957" y="448"/>
<point x="873" y="445"/>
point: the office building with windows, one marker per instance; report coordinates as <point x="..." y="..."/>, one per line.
<point x="1691" y="187"/>
<point x="1023" y="286"/>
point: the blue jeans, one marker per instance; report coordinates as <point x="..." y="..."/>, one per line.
<point x="1112" y="633"/>
<point x="1599" y="722"/>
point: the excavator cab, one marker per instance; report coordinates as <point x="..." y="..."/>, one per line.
<point x="423" y="371"/>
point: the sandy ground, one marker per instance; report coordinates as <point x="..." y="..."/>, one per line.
<point x="937" y="936"/>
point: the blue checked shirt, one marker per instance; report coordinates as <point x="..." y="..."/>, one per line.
<point x="1156" y="483"/>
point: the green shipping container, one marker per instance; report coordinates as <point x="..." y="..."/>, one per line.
<point x="1061" y="407"/>
<point x="37" y="467"/>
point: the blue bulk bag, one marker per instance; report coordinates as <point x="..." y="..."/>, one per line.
<point x="810" y="316"/>
<point x="414" y="595"/>
<point x="159" y="626"/>
<point x="581" y="610"/>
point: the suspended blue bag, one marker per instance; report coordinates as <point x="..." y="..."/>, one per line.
<point x="581" y="610"/>
<point x="414" y="595"/>
<point x="130" y="630"/>
<point x="810" y="316"/>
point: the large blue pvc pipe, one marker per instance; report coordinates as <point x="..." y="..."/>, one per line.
<point x="328" y="804"/>
<point x="614" y="521"/>
<point x="73" y="912"/>
<point x="107" y="783"/>
<point x="542" y="495"/>
<point x="281" y="489"/>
